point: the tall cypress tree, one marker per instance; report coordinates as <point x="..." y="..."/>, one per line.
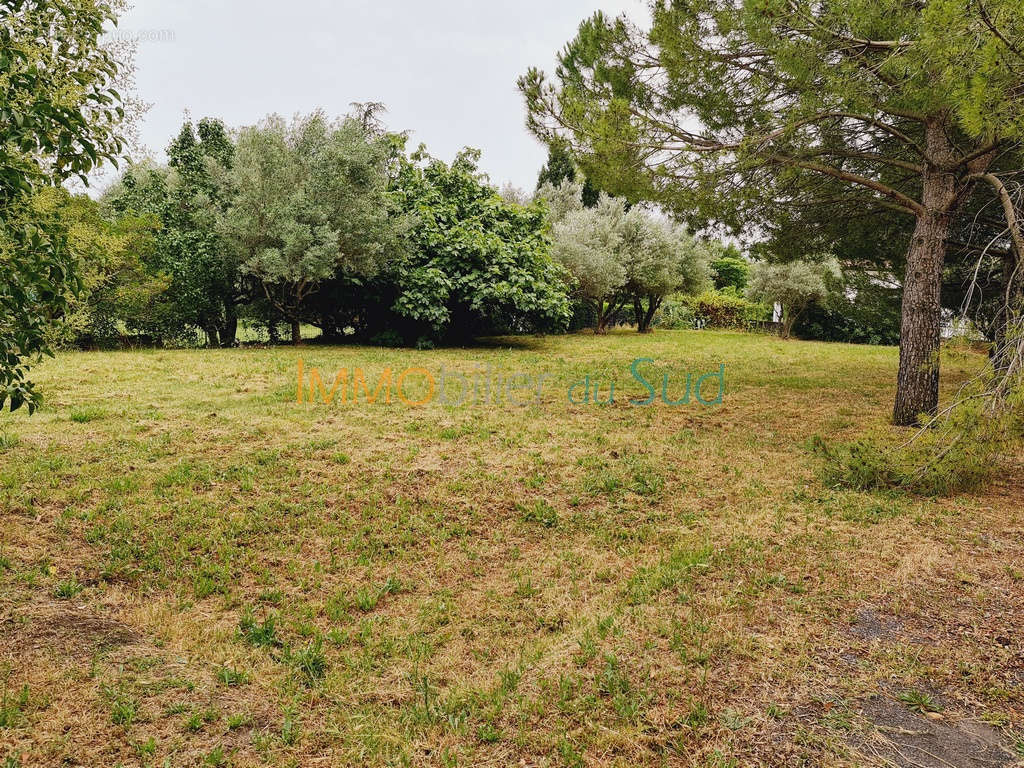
<point x="561" y="167"/>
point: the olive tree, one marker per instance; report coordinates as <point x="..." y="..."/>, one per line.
<point x="310" y="204"/>
<point x="588" y="243"/>
<point x="621" y="258"/>
<point x="793" y="285"/>
<point x="661" y="258"/>
<point x="561" y="199"/>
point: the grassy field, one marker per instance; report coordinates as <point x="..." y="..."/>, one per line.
<point x="197" y="570"/>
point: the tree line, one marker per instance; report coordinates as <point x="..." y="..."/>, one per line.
<point x="332" y="223"/>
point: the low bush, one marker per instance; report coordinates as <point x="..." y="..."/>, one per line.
<point x="716" y="309"/>
<point x="675" y="315"/>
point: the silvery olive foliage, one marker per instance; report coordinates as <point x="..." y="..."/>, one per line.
<point x="622" y="258"/>
<point x="793" y="285"/>
<point x="310" y="203"/>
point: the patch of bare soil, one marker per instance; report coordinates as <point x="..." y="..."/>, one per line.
<point x="870" y="625"/>
<point x="900" y="737"/>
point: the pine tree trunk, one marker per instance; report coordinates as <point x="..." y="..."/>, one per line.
<point x="917" y="389"/>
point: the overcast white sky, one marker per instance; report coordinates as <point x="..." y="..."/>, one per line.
<point x="446" y="69"/>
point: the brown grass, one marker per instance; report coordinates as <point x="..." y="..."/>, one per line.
<point x="542" y="585"/>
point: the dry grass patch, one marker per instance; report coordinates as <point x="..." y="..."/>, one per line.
<point x="545" y="585"/>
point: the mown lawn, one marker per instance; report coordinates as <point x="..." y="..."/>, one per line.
<point x="197" y="570"/>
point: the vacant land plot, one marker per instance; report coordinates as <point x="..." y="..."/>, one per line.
<point x="195" y="569"/>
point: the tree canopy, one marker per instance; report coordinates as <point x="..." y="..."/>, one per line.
<point x="730" y="268"/>
<point x="311" y="204"/>
<point x="621" y="258"/>
<point x="476" y="262"/>
<point x="122" y="289"/>
<point x="561" y="168"/>
<point x="793" y="285"/>
<point x="188" y="197"/>
<point x="779" y="92"/>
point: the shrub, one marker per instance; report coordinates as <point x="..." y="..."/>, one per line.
<point x="675" y="315"/>
<point x="725" y="309"/>
<point x="731" y="270"/>
<point x="844" y="322"/>
<point x="583" y="317"/>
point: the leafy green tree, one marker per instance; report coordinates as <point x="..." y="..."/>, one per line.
<point x="205" y="284"/>
<point x="120" y="288"/>
<point x="725" y="110"/>
<point x="189" y="197"/>
<point x="730" y="269"/>
<point x="793" y="285"/>
<point x="59" y="117"/>
<point x="476" y="264"/>
<point x="311" y="204"/>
